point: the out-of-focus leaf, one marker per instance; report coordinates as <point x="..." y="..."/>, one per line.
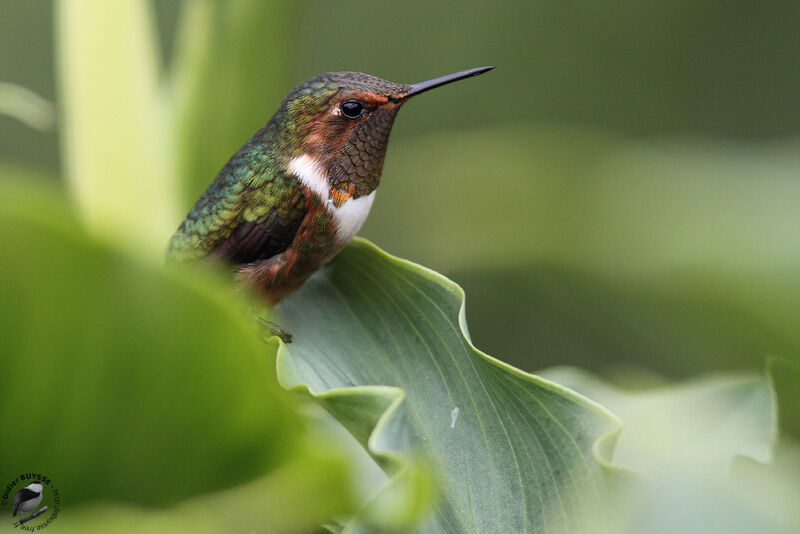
<point x="685" y="439"/>
<point x="26" y="106"/>
<point x="296" y="497"/>
<point x="114" y="138"/>
<point x="21" y="181"/>
<point x="124" y="382"/>
<point x="786" y="377"/>
<point x="704" y="421"/>
<point x="382" y="344"/>
<point x="230" y="72"/>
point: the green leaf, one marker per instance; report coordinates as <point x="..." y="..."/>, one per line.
<point x="785" y="376"/>
<point x="382" y="344"/>
<point x="703" y="421"/>
<point x="114" y="130"/>
<point x="705" y="447"/>
<point x="127" y="383"/>
<point x="118" y="367"/>
<point x="296" y="497"/>
<point x="26" y="106"/>
<point x="231" y="70"/>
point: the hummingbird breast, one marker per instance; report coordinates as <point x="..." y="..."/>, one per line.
<point x="324" y="231"/>
<point x="348" y="213"/>
<point x="333" y="216"/>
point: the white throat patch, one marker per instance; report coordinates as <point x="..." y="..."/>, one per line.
<point x="310" y="174"/>
<point x="350" y="216"/>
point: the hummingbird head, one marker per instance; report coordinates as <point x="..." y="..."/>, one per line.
<point x="340" y="123"/>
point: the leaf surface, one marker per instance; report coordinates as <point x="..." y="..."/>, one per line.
<point x="706" y="448"/>
<point x="383" y="346"/>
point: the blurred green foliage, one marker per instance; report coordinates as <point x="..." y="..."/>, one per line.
<point x="123" y="382"/>
<point x="707" y="450"/>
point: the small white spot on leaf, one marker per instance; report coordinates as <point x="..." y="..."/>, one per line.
<point x="453" y="417"/>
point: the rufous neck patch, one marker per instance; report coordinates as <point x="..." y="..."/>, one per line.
<point x="341" y="193"/>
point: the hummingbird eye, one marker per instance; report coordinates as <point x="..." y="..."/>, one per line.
<point x="352" y="109"/>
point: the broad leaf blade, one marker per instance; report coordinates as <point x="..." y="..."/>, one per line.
<point x="703" y="422"/>
<point x="706" y="448"/>
<point x="114" y="370"/>
<point x="510" y="452"/>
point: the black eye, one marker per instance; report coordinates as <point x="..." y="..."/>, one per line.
<point x="352" y="109"/>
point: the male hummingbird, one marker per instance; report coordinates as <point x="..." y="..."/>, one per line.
<point x="298" y="191"/>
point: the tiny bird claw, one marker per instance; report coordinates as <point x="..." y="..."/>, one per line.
<point x="272" y="329"/>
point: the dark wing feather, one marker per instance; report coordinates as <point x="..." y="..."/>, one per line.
<point x="251" y="211"/>
<point x="268" y="235"/>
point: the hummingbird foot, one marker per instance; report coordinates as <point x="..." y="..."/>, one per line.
<point x="272" y="329"/>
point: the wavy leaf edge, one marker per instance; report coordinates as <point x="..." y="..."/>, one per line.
<point x="602" y="448"/>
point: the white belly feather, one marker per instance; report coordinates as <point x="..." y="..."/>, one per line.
<point x="350" y="216"/>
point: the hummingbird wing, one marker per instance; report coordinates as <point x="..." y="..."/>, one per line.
<point x="268" y="235"/>
<point x="241" y="219"/>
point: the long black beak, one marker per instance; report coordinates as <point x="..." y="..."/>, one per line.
<point x="421" y="87"/>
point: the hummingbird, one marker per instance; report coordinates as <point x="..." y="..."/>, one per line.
<point x="299" y="190"/>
